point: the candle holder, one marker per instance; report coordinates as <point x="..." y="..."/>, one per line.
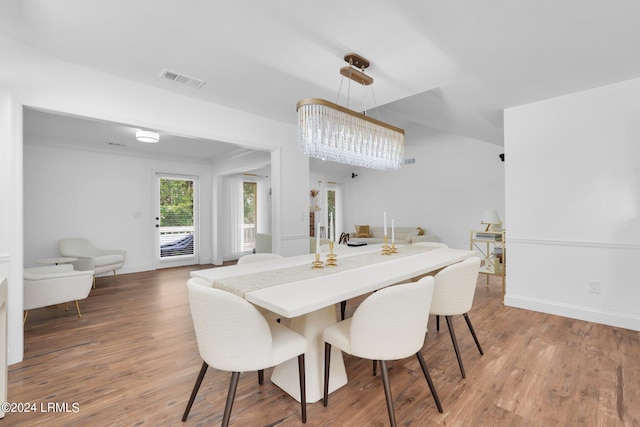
<point x="331" y="257"/>
<point x="317" y="263"/>
<point x="386" y="250"/>
<point x="393" y="248"/>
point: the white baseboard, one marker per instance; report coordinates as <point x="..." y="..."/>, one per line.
<point x="622" y="320"/>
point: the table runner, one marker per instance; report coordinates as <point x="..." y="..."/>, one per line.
<point x="240" y="285"/>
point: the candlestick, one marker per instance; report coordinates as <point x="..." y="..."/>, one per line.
<point x="331" y="257"/>
<point x="318" y="237"/>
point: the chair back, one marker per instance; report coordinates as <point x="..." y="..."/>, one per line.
<point x="246" y="259"/>
<point x="455" y="288"/>
<point x="76" y="247"/>
<point x="391" y="323"/>
<point x="232" y="335"/>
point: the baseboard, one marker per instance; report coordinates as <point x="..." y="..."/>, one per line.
<point x="588" y="314"/>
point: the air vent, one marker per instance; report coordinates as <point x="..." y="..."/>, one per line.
<point x="409" y="161"/>
<point x="115" y="144"/>
<point x="183" y="79"/>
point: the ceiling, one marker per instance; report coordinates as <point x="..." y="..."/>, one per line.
<point x="453" y="66"/>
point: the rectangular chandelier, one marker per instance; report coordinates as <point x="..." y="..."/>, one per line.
<point x="329" y="131"/>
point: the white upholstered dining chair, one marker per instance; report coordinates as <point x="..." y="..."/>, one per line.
<point x="453" y="295"/>
<point x="233" y="336"/>
<point x="389" y="325"/>
<point x="262" y="257"/>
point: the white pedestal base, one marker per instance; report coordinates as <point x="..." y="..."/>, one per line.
<point x="311" y="327"/>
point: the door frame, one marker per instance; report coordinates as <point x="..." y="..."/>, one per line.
<point x="179" y="261"/>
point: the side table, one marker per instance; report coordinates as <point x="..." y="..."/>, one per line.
<point x="56" y="260"/>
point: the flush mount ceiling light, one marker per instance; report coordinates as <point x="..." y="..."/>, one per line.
<point x="147" y="136"/>
<point x="331" y="132"/>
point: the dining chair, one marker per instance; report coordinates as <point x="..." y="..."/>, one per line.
<point x="389" y="325"/>
<point x="453" y="295"/>
<point x="233" y="336"/>
<point x="262" y="257"/>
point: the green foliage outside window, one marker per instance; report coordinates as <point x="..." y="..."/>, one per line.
<point x="250" y="202"/>
<point x="176" y="203"/>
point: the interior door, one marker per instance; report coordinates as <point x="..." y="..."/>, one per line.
<point x="176" y="220"/>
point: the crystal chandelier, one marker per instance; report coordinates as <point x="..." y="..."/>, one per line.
<point x="329" y="131"/>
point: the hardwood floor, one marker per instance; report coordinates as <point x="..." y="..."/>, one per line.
<point x="132" y="359"/>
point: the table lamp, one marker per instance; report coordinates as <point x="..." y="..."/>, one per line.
<point x="492" y="220"/>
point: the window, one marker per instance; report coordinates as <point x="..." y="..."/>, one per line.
<point x="250" y="197"/>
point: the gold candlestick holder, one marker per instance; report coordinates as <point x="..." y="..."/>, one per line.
<point x="331" y="257"/>
<point x="393" y="248"/>
<point x="317" y="263"/>
<point x="386" y="250"/>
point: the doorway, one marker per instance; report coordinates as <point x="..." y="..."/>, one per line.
<point x="176" y="220"/>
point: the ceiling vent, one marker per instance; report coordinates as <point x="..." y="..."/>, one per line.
<point x="181" y="78"/>
<point x="409" y="161"/>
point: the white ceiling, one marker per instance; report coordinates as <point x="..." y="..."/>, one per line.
<point x="450" y="65"/>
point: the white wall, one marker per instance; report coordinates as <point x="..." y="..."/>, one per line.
<point x="29" y="78"/>
<point x="573" y="199"/>
<point x="452" y="182"/>
<point x="109" y="199"/>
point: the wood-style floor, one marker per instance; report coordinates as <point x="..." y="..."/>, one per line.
<point x="132" y="359"/>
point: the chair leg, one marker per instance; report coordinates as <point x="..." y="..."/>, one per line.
<point x="26" y="313"/>
<point x="375" y="366"/>
<point x="387" y="392"/>
<point x="66" y="307"/>
<point x="196" y="387"/>
<point x="303" y="388"/>
<point x="116" y="276"/>
<point x="425" y="371"/>
<point x="94" y="281"/>
<point x="455" y="343"/>
<point x="473" y="333"/>
<point x="78" y="309"/>
<point x="343" y="308"/>
<point x="231" y="395"/>
<point x="327" y="361"/>
<point x="261" y="376"/>
<point x="437" y="323"/>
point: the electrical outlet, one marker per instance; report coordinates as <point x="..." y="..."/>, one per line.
<point x="594" y="287"/>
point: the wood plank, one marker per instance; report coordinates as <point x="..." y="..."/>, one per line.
<point x="132" y="359"/>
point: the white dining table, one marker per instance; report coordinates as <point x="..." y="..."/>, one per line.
<point x="310" y="302"/>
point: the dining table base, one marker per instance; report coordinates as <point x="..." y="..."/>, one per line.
<point x="311" y="326"/>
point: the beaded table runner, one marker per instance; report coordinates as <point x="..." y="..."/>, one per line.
<point x="240" y="285"/>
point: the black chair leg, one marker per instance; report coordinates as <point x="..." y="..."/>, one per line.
<point x="375" y="365"/>
<point x="196" y="387"/>
<point x="303" y="388"/>
<point x="455" y="344"/>
<point x="425" y="371"/>
<point x="231" y="395"/>
<point x="261" y="376"/>
<point x="327" y="361"/>
<point x="387" y="392"/>
<point x="437" y="323"/>
<point x="473" y="333"/>
<point x="343" y="308"/>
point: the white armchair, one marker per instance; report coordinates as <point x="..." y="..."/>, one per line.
<point x="92" y="258"/>
<point x="57" y="284"/>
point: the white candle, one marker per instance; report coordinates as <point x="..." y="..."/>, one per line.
<point x="332" y="232"/>
<point x="318" y="237"/>
<point x="393" y="234"/>
<point x="385" y="223"/>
